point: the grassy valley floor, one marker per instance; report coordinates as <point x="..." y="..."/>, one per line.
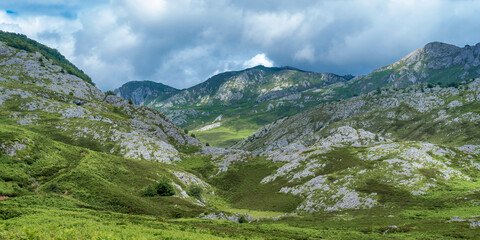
<point x="60" y="217"/>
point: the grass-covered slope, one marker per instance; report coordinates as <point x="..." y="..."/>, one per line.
<point x="20" y="41"/>
<point x="232" y="105"/>
<point x="229" y="106"/>
<point x="435" y="63"/>
<point x="77" y="164"/>
<point x="62" y="136"/>
<point x="442" y="115"/>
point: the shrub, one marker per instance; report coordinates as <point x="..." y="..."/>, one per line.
<point x="195" y="191"/>
<point x="130" y="101"/>
<point x="185" y="131"/>
<point x="242" y="219"/>
<point x="109" y="93"/>
<point x="162" y="188"/>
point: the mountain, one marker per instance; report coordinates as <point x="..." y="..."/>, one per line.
<point x="75" y="163"/>
<point x="442" y="115"/>
<point x="59" y="134"/>
<point x="435" y="63"/>
<point x="142" y="92"/>
<point x="232" y="105"/>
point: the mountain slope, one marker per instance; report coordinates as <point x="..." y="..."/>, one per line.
<point x="435" y="63"/>
<point x="440" y="115"/>
<point x="20" y="41"/>
<point x="75" y="163"/>
<point x="232" y="105"/>
<point x="61" y="135"/>
<point x="142" y="92"/>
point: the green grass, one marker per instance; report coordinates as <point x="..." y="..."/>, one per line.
<point x="242" y="188"/>
<point x="52" y="217"/>
<point x="223" y="136"/>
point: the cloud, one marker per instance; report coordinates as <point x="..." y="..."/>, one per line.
<point x="183" y="42"/>
<point x="259" y="59"/>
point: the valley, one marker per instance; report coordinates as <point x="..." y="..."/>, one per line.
<point x="291" y="154"/>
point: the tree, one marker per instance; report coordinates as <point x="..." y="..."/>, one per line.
<point x="130" y="101"/>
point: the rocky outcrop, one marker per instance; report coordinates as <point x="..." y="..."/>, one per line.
<point x="142" y="92"/>
<point x="42" y="94"/>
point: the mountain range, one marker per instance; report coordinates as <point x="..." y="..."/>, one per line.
<point x="392" y="154"/>
<point x="230" y="106"/>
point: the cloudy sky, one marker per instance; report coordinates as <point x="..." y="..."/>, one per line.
<point x="183" y="42"/>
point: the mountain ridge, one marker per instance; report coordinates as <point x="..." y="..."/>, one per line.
<point x="389" y="163"/>
<point x="142" y="92"/>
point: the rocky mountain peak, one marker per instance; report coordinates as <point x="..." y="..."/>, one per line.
<point x="141" y="92"/>
<point x="439" y="49"/>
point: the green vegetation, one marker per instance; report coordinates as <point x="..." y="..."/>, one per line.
<point x="162" y="188"/>
<point x="195" y="191"/>
<point x="241" y="187"/>
<point x="21" y="42"/>
<point x="62" y="182"/>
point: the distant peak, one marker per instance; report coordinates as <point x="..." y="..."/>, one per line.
<point x="439" y="48"/>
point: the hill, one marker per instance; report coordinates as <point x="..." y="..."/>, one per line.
<point x="398" y="163"/>
<point x="230" y="106"/>
<point x="142" y="92"/>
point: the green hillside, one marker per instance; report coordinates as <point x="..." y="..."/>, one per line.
<point x="20" y="41"/>
<point x="76" y="163"/>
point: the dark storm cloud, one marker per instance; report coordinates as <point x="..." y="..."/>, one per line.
<point x="181" y="42"/>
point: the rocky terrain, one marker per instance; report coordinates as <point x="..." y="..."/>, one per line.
<point x="142" y="92"/>
<point x="403" y="158"/>
<point x="442" y="115"/>
<point x="44" y="108"/>
<point x="435" y="63"/>
<point x="230" y="106"/>
<point x="233" y="104"/>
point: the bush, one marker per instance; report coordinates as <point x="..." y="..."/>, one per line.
<point x="242" y="219"/>
<point x="109" y="93"/>
<point x="195" y="191"/>
<point x="162" y="188"/>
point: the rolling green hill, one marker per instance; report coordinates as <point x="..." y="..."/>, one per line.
<point x="75" y="163"/>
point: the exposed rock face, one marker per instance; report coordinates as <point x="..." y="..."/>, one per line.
<point x="436" y="62"/>
<point x="376" y="112"/>
<point x="47" y="97"/>
<point x="258" y="84"/>
<point x="141" y="92"/>
<point x="45" y="74"/>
